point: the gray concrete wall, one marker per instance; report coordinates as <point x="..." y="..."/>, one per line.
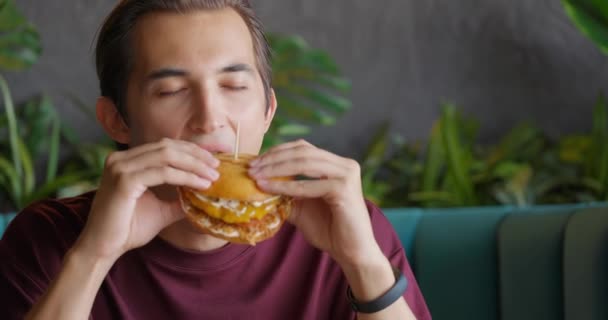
<point x="503" y="61"/>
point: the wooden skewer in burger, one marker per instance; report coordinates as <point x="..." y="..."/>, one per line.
<point x="233" y="207"/>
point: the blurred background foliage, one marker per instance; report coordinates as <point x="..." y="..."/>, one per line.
<point x="452" y="168"/>
<point x="525" y="168"/>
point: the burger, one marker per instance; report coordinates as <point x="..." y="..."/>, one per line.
<point x="233" y="207"/>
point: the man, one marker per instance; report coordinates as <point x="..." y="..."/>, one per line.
<point x="176" y="77"/>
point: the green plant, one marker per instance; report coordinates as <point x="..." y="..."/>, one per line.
<point x="450" y="152"/>
<point x="19" y="49"/>
<point x="308" y="88"/>
<point x="589" y="152"/>
<point x="453" y="170"/>
<point x="525" y="168"/>
<point x="37" y="135"/>
<point x="19" y="41"/>
<point x="375" y="190"/>
<point x="89" y="160"/>
<point x="591" y="18"/>
<point x="31" y="131"/>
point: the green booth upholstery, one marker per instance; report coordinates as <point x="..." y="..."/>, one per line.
<point x="5" y="219"/>
<point x="545" y="262"/>
<point x="455" y="251"/>
<point x="586" y="265"/>
<point x="529" y="265"/>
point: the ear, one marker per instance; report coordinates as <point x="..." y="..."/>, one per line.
<point x="111" y="120"/>
<point x="272" y="108"/>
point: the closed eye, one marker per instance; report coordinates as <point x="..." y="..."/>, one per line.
<point x="171" y="93"/>
<point x="235" y="88"/>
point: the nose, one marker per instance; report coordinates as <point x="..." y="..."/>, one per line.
<point x="207" y="113"/>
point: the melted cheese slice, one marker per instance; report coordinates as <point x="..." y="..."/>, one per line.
<point x="234" y="211"/>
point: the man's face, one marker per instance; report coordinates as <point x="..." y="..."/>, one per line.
<point x="194" y="78"/>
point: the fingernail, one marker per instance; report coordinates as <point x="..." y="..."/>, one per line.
<point x="214" y="174"/>
<point x="262" y="183"/>
<point x="253" y="171"/>
<point x="203" y="183"/>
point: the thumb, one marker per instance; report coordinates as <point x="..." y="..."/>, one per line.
<point x="172" y="212"/>
<point x="296" y="209"/>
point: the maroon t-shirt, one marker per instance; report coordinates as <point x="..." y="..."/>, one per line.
<point x="280" y="278"/>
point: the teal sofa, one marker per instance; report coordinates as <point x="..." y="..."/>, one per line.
<point x="5" y="219"/>
<point x="486" y="263"/>
<point x="546" y="262"/>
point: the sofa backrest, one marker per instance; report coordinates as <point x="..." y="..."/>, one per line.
<point x="530" y="271"/>
<point x="508" y="263"/>
<point x="586" y="265"/>
<point x="5" y="219"/>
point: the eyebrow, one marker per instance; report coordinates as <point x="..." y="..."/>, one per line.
<point x="237" y="67"/>
<point x="166" y="73"/>
<point x="174" y="72"/>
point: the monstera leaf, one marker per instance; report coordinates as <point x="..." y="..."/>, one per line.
<point x="19" y="41"/>
<point x="309" y="88"/>
<point x="591" y="17"/>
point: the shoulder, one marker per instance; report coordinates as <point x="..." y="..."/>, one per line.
<point x="32" y="250"/>
<point x="45" y="227"/>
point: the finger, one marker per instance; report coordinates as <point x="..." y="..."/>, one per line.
<point x="299" y="188"/>
<point x="166" y="143"/>
<point x="310" y="166"/>
<point x="171" y="157"/>
<point x="284" y="146"/>
<point x="173" y="213"/>
<point x="193" y="149"/>
<point x="297" y="151"/>
<point x="152" y="177"/>
<point x="201" y="153"/>
<point x="291" y="144"/>
<point x="136" y="151"/>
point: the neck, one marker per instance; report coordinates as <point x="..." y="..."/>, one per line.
<point x="184" y="236"/>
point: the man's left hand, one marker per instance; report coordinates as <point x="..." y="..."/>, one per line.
<point x="329" y="207"/>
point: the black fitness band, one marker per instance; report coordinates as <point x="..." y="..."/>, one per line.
<point x="383" y="301"/>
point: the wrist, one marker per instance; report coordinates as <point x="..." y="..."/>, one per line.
<point x="94" y="248"/>
<point x="84" y="256"/>
<point x="369" y="278"/>
<point x="362" y="259"/>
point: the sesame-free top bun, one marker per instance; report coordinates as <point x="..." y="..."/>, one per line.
<point x="234" y="182"/>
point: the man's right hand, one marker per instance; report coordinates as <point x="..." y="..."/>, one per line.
<point x="125" y="213"/>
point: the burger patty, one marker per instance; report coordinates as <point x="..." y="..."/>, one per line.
<point x="251" y="232"/>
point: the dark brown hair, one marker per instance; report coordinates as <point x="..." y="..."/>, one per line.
<point x="113" y="53"/>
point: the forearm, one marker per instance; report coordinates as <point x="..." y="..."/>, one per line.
<point x="71" y="294"/>
<point x="371" y="279"/>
